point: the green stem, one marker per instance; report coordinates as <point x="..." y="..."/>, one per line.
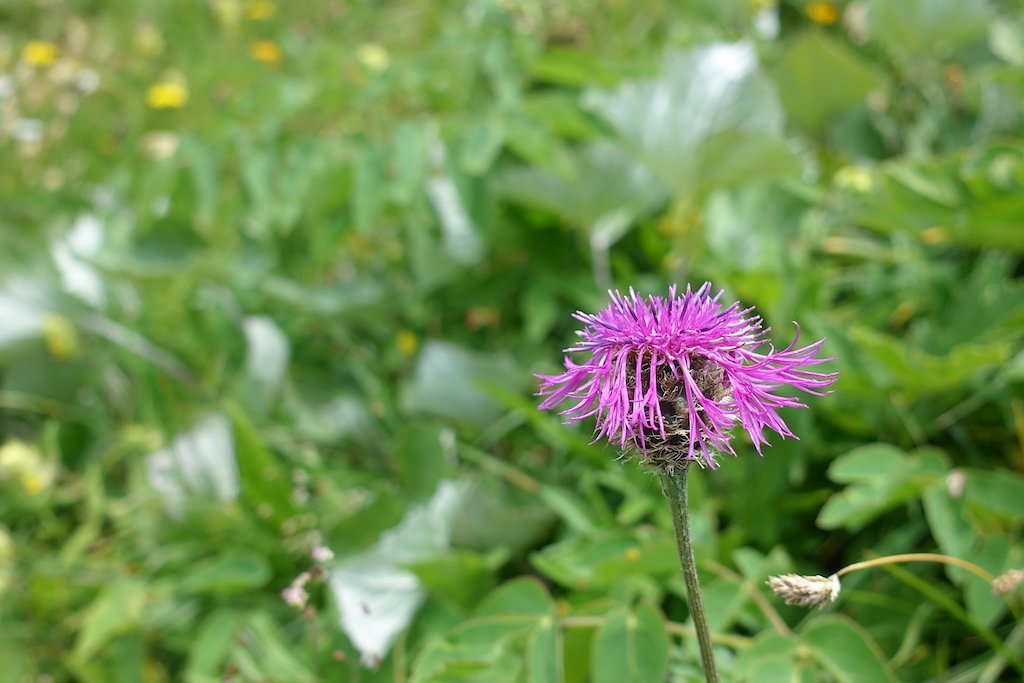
<point x="673" y="484"/>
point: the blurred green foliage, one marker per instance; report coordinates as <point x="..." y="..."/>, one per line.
<point x="277" y="276"/>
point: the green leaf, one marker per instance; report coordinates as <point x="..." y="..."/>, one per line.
<point x="765" y="647"/>
<point x="819" y="77"/>
<point x="449" y="382"/>
<point x="949" y="527"/>
<point x="270" y="651"/>
<point x="880" y="477"/>
<point x="209" y="651"/>
<point x="523" y="596"/>
<point x="709" y="120"/>
<point x="265" y="483"/>
<point x="116" y="610"/>
<point x="605" y="181"/>
<point x="631" y="647"/>
<point x="420" y="459"/>
<point x="543" y="652"/>
<point x="481" y="146"/>
<point x="845" y="650"/>
<point x="927" y="27"/>
<point x="915" y="372"/>
<point x="234" y="572"/>
<point x="995" y="495"/>
<point x="458" y="577"/>
<point x="572" y="68"/>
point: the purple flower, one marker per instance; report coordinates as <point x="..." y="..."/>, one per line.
<point x="671" y="377"/>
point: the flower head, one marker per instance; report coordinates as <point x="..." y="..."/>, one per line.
<point x="670" y="378"/>
<point x="167" y="95"/>
<point x="40" y="53"/>
<point x="805" y="591"/>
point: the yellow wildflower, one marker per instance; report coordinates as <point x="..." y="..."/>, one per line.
<point x="167" y="95"/>
<point x="935" y="235"/>
<point x="265" y="51"/>
<point x="632" y="555"/>
<point x="228" y="12"/>
<point x="824" y="13"/>
<point x="260" y="10"/>
<point x="25" y="463"/>
<point x="373" y="56"/>
<point x="17" y="457"/>
<point x="40" y="53"/>
<point x="406" y="342"/>
<point x="856" y="178"/>
<point x="60" y="336"/>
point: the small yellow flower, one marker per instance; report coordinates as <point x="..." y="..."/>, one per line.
<point x="632" y="555"/>
<point x="60" y="336"/>
<point x="228" y="12"/>
<point x="373" y="56"/>
<point x="260" y="10"/>
<point x="24" y="463"/>
<point x="856" y="178"/>
<point x="17" y="457"/>
<point x="265" y="51"/>
<point x="406" y="342"/>
<point x="40" y="53"/>
<point x="824" y="13"/>
<point x="167" y="95"/>
<point x="935" y="235"/>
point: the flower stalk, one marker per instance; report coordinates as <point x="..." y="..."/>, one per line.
<point x="673" y="485"/>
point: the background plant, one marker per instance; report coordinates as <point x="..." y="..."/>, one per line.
<point x="277" y="276"/>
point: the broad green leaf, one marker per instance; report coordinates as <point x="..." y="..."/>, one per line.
<point x="420" y="459"/>
<point x="631" y="647"/>
<point x="543" y="652"/>
<point x="569" y="507"/>
<point x="605" y="181"/>
<point x="775" y="669"/>
<point x="481" y="146"/>
<point x="879" y="477"/>
<point x="915" y="372"/>
<point x="992" y="554"/>
<point x="235" y="572"/>
<point x="572" y="68"/>
<point x="116" y="610"/>
<point x="449" y="382"/>
<point x="592" y="562"/>
<point x="845" y="650"/>
<point x="410" y="156"/>
<point x="927" y="27"/>
<point x="265" y="482"/>
<point x="710" y="119"/>
<point x="270" y="651"/>
<point x="201" y="461"/>
<point x="213" y="641"/>
<point x="458" y="577"/>
<point x="818" y="77"/>
<point x="377" y="596"/>
<point x="523" y="596"/>
<point x="368" y="191"/>
<point x="537" y="145"/>
<point x="948" y="525"/>
<point x="969" y="197"/>
<point x="998" y="494"/>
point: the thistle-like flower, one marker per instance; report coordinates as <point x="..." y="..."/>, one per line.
<point x="805" y="591"/>
<point x="670" y="378"/>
